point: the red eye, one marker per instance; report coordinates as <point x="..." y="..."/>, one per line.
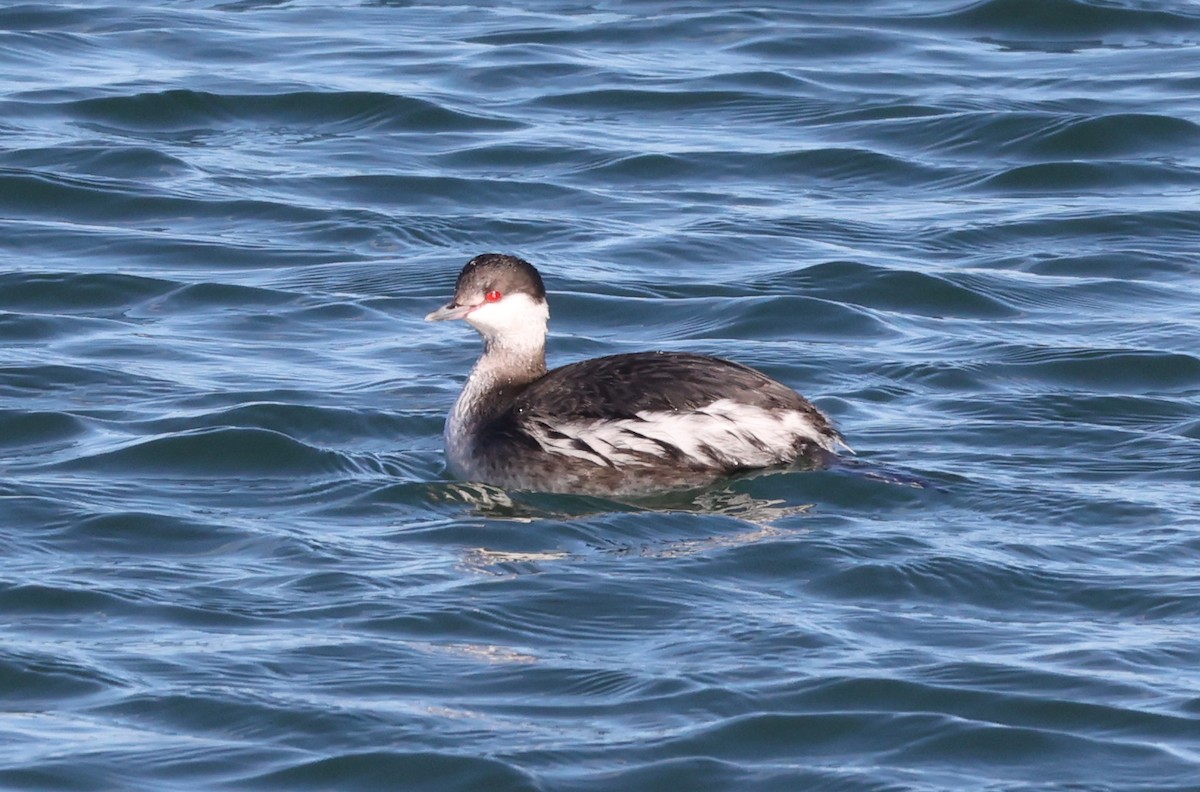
<point x="492" y="296"/>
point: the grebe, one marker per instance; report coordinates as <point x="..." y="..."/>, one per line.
<point x="623" y="424"/>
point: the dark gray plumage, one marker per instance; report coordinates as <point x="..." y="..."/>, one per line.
<point x="612" y="425"/>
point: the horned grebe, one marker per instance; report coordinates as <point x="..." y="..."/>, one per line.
<point x="622" y="424"/>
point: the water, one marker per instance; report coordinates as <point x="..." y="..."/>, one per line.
<point x="233" y="560"/>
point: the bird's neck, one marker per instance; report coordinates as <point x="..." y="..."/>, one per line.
<point x="506" y="367"/>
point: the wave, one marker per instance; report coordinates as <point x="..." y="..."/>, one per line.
<point x="427" y="769"/>
<point x="332" y="111"/>
<point x="1069" y="20"/>
<point x="216" y="453"/>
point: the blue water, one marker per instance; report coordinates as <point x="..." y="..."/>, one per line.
<point x="232" y="558"/>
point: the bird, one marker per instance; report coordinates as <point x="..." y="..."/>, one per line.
<point x="625" y="424"/>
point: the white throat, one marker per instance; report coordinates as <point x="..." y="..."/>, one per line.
<point x="514" y="337"/>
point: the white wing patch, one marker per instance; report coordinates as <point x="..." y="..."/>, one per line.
<point x="726" y="433"/>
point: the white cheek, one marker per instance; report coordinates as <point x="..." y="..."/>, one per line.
<point x="494" y="315"/>
<point x="512" y="318"/>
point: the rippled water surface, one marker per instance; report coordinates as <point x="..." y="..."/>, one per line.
<point x="232" y="558"/>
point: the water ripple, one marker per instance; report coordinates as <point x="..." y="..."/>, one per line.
<point x="234" y="557"/>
